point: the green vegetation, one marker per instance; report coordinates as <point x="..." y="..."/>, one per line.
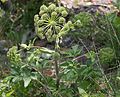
<point x="52" y="51"/>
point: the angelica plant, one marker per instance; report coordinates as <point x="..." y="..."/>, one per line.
<point x="51" y="24"/>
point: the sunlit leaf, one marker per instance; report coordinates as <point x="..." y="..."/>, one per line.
<point x="9" y="93"/>
<point x="26" y="81"/>
<point x="118" y="78"/>
<point x="82" y="92"/>
<point x="3" y="1"/>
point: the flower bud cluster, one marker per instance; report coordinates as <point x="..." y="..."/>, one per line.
<point x="13" y="55"/>
<point x="50" y="23"/>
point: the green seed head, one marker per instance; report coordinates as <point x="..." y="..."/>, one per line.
<point x="40" y="30"/>
<point x="41" y="12"/>
<point x="49" y="32"/>
<point x="14" y="56"/>
<point x="40" y="22"/>
<point x="36" y="18"/>
<point x="61" y="20"/>
<point x="54" y="14"/>
<point x="57" y="28"/>
<point x="62" y="33"/>
<point x="61" y="9"/>
<point x="45" y="16"/>
<point x="69" y="23"/>
<point x="66" y="28"/>
<point x="78" y="23"/>
<point x="52" y="7"/>
<point x="57" y="9"/>
<point x="64" y="13"/>
<point x="53" y="23"/>
<point x="43" y="8"/>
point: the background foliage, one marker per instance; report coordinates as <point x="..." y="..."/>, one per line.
<point x="81" y="61"/>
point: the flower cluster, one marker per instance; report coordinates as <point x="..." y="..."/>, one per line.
<point x="50" y="23"/>
<point x="13" y="55"/>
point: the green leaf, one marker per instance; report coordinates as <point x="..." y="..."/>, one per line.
<point x="9" y="93"/>
<point x="118" y="78"/>
<point x="82" y="92"/>
<point x="45" y="50"/>
<point x="34" y="76"/>
<point x="98" y="95"/>
<point x="74" y="51"/>
<point x="26" y="81"/>
<point x="1" y="12"/>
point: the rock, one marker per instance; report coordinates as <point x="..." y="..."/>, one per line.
<point x="67" y="41"/>
<point x="4" y="46"/>
<point x="102" y="6"/>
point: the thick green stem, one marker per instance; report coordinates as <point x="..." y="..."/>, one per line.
<point x="57" y="74"/>
<point x="57" y="67"/>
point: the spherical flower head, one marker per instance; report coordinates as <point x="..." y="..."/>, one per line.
<point x="70" y="24"/>
<point x="57" y="28"/>
<point x="45" y="16"/>
<point x="53" y="14"/>
<point x="49" y="32"/>
<point x="13" y="55"/>
<point x="43" y="8"/>
<point x="51" y="7"/>
<point x="53" y="23"/>
<point x="62" y="33"/>
<point x="62" y="20"/>
<point x="78" y="23"/>
<point x="40" y="33"/>
<point x="64" y="13"/>
<point x="41" y="12"/>
<point x="61" y="9"/>
<point x="57" y="9"/>
<point x="66" y="28"/>
<point x="40" y="22"/>
<point x="36" y="18"/>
